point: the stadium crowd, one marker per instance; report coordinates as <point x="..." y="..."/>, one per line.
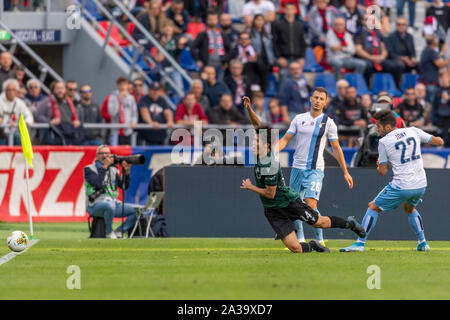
<point x="268" y="44"/>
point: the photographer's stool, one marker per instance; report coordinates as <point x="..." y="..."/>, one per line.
<point x="147" y="212"/>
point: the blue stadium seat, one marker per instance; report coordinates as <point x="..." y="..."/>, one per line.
<point x="187" y="62"/>
<point x="409" y="80"/>
<point x="140" y="60"/>
<point x="384" y="82"/>
<point x="272" y="86"/>
<point x="91" y="7"/>
<point x="357" y="80"/>
<point x="311" y="64"/>
<point x="327" y="81"/>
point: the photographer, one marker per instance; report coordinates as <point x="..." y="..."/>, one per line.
<point x="102" y="180"/>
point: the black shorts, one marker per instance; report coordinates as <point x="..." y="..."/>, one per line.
<point x="282" y="219"/>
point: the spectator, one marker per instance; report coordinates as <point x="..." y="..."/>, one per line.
<point x="429" y="66"/>
<point x="11" y="107"/>
<point x="34" y="94"/>
<point x="441" y="106"/>
<point x="370" y="46"/>
<point x="198" y="9"/>
<point x="225" y="113"/>
<point x="366" y="102"/>
<point x="248" y="55"/>
<point x="411" y="11"/>
<point x="72" y="88"/>
<point x="294" y="93"/>
<point x="421" y="92"/>
<point x="411" y="110"/>
<point x="89" y="112"/>
<point x="262" y="43"/>
<point x="153" y="19"/>
<point x="258" y="104"/>
<point x="211" y="46"/>
<point x="197" y="89"/>
<point x="400" y="46"/>
<point x="6" y="71"/>
<point x="19" y="74"/>
<point x="340" y="49"/>
<point x="289" y="41"/>
<point x="351" y="112"/>
<point x="446" y="46"/>
<point x="440" y="13"/>
<point x="179" y="16"/>
<point x="321" y="19"/>
<point x="190" y="111"/>
<point x="226" y="25"/>
<point x="254" y="7"/>
<point x="386" y="6"/>
<point x="22" y="92"/>
<point x="353" y="16"/>
<point x="122" y="109"/>
<point x="138" y="87"/>
<point x="59" y="110"/>
<point x="336" y="102"/>
<point x="154" y="110"/>
<point x="276" y="116"/>
<point x="238" y="83"/>
<point x="212" y="88"/>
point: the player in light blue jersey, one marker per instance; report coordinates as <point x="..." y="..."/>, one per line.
<point x="400" y="148"/>
<point x="312" y="130"/>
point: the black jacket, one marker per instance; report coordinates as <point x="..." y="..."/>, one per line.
<point x="394" y="44"/>
<point x="199" y="48"/>
<point x="289" y="39"/>
<point x="231" y="84"/>
<point x="218" y="115"/>
<point x="90" y="114"/>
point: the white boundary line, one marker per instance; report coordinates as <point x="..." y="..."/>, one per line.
<point x="12" y="255"/>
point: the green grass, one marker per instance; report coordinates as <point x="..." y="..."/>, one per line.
<point x="176" y="268"/>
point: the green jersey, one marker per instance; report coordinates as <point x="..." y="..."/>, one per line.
<point x="268" y="173"/>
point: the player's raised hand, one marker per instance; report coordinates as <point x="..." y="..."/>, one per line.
<point x="247" y="102"/>
<point x="246" y="184"/>
<point x="349" y="180"/>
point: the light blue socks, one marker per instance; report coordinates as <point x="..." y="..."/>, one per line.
<point x="415" y="220"/>
<point x="369" y="221"/>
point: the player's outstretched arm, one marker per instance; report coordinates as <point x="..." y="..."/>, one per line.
<point x="437" y="141"/>
<point x="251" y="114"/>
<point x="339" y="155"/>
<point x="267" y="192"/>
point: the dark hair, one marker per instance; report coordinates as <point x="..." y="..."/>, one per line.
<point x="289" y="4"/>
<point x="121" y="79"/>
<point x="386" y="117"/>
<point x="253" y="29"/>
<point x="265" y="130"/>
<point x="212" y="12"/>
<point x="320" y="89"/>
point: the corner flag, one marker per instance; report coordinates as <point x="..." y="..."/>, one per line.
<point x="26" y="142"/>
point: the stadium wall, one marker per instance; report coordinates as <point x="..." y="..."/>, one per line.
<point x="217" y="207"/>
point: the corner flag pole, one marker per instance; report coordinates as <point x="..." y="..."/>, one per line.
<point x="30" y="214"/>
<point x="27" y="149"/>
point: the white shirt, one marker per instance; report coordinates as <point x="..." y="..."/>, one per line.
<point x="252" y="9"/>
<point x="16" y="107"/>
<point x="401" y="148"/>
<point x="312" y="135"/>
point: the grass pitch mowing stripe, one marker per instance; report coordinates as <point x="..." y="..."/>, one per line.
<point x="8" y="257"/>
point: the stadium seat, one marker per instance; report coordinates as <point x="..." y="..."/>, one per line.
<point x="272" y="86"/>
<point x="130" y="28"/>
<point x="91" y="7"/>
<point x="384" y="82"/>
<point x="357" y="80"/>
<point x="140" y="60"/>
<point x="311" y="64"/>
<point x="194" y="28"/>
<point x="187" y="62"/>
<point x="409" y="80"/>
<point x="327" y="81"/>
<point x="115" y="34"/>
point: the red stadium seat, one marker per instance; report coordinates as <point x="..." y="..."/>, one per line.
<point x="130" y="28"/>
<point x="194" y="28"/>
<point x="115" y="34"/>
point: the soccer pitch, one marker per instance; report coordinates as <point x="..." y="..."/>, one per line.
<point x="219" y="268"/>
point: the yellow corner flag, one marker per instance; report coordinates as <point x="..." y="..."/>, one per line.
<point x="26" y="142"/>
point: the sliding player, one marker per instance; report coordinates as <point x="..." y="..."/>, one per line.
<point x="282" y="204"/>
<point x="400" y="148"/>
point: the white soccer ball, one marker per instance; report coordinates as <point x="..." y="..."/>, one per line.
<point x="17" y="241"/>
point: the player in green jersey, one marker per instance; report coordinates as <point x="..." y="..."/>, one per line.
<point x="282" y="205"/>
